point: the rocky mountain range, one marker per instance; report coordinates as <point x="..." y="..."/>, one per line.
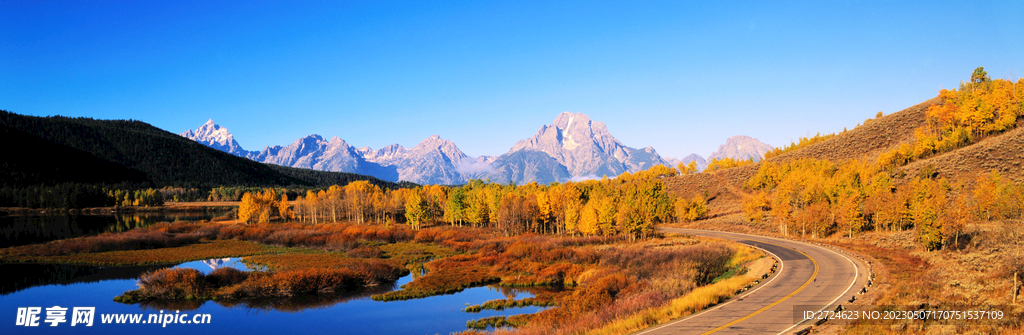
<point x="736" y="147"/>
<point x="741" y="147"/>
<point x="216" y="137"/>
<point x="572" y="147"/>
<point x="586" y="148"/>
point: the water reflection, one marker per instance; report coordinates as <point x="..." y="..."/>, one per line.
<point x="36" y="228"/>
<point x="291" y="304"/>
<point x="17" y="277"/>
<point x="216" y="263"/>
<point x="350" y="313"/>
<point x="524" y="292"/>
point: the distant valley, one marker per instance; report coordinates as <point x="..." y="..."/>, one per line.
<point x="572" y="147"/>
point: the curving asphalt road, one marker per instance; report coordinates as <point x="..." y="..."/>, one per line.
<point x="808" y="275"/>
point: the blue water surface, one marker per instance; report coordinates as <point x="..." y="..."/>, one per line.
<point x="71" y="286"/>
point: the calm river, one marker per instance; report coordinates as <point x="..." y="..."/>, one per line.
<point x="48" y="285"/>
<point x="21" y="229"/>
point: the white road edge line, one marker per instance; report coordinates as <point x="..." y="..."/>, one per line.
<point x="856" y="274"/>
<point x="732" y="300"/>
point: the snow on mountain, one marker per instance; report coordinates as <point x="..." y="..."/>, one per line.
<point x="216" y="137"/>
<point x="586" y="148"/>
<point x="573" y="147"/>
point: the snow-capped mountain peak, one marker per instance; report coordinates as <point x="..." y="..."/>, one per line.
<point x="217" y="137"/>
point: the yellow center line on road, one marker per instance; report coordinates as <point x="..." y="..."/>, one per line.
<point x="809" y="281"/>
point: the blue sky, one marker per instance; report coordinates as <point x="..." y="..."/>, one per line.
<point x="679" y="76"/>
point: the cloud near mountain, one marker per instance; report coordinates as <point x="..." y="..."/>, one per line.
<point x="573" y="147"/>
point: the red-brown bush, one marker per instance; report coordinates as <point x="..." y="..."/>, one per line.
<point x="172" y="283"/>
<point x="131" y="240"/>
<point x="226" y="276"/>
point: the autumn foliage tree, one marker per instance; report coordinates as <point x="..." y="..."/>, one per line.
<point x="979" y="108"/>
<point x="260" y="207"/>
<point x="688" y="210"/>
<point x="727" y="162"/>
<point x="630" y="204"/>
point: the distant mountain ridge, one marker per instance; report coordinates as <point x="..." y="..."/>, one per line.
<point x="572" y="147"/>
<point x="741" y="147"/>
<point x="737" y="147"/>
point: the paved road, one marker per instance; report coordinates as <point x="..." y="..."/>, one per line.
<point x="809" y="275"/>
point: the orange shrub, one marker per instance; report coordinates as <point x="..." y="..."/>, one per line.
<point x="172" y="283"/>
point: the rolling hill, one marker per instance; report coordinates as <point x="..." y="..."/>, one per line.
<point x="51" y="150"/>
<point x="869" y="140"/>
<point x="1001" y="152"/>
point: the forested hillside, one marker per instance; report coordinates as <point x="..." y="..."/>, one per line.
<point x="119" y="150"/>
<point x="61" y="162"/>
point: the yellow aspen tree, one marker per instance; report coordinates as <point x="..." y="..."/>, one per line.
<point x="247" y="209"/>
<point x="265" y="202"/>
<point x="848" y="214"/>
<point x="606" y="220"/>
<point x="960" y="215"/>
<point x="300" y="209"/>
<point x="589" y="222"/>
<point x="929" y="205"/>
<point x="573" y="214"/>
<point x="755" y="206"/>
<point x="414" y="209"/>
<point x="629" y="220"/>
<point x="284" y="208"/>
<point x="313" y="206"/>
<point x="543" y="209"/>
<point x="986" y="195"/>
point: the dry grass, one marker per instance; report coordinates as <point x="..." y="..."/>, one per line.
<point x="191" y="252"/>
<point x="632" y="282"/>
<point x="161" y="235"/>
<point x="699" y="299"/>
<point x="972" y="278"/>
<point x="301" y="259"/>
<point x="502" y="304"/>
<point x="996" y="153"/>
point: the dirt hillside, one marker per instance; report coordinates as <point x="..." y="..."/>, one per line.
<point x="725" y="187"/>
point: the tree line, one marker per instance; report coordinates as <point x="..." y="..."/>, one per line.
<point x="72" y="195"/>
<point x="817" y="198"/>
<point x="630" y="204"/>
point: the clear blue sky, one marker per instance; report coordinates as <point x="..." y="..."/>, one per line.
<point x="677" y="75"/>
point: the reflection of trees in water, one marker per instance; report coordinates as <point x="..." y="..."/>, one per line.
<point x="417" y="270"/>
<point x="21" y="230"/>
<point x="513" y="292"/>
<point x="128" y="221"/>
<point x="29" y="229"/>
<point x="293" y="304"/>
<point x="17" y="277"/>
